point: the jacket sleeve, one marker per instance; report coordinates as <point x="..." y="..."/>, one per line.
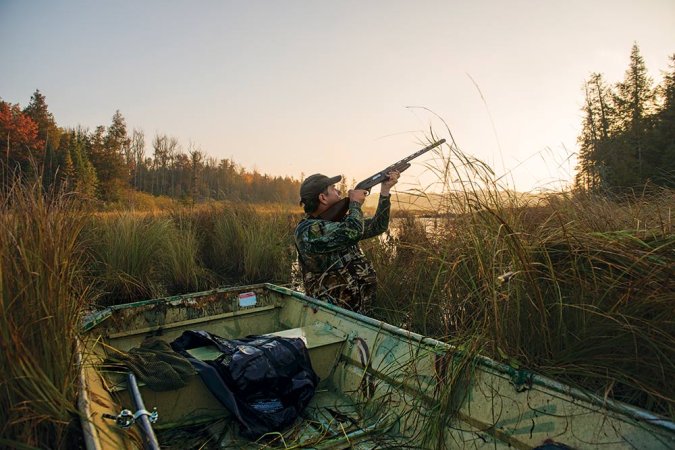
<point x="325" y="236"/>
<point x="379" y="223"/>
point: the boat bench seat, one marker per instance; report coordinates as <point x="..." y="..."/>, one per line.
<point x="323" y="342"/>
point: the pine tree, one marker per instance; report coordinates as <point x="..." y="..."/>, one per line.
<point x="66" y="174"/>
<point x="116" y="140"/>
<point x="84" y="181"/>
<point x="665" y="130"/>
<point x="87" y="180"/>
<point x="196" y="157"/>
<point x="38" y="110"/>
<point x="47" y="158"/>
<point x="107" y="151"/>
<point x="599" y="120"/>
<point x="635" y="101"/>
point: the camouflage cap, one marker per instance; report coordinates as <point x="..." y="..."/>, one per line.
<point x="315" y="185"/>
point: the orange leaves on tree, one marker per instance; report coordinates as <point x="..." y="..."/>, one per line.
<point x="18" y="134"/>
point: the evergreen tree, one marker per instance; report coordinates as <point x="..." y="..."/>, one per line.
<point x="48" y="130"/>
<point x="99" y="163"/>
<point x="116" y="140"/>
<point x="49" y="133"/>
<point x="599" y="119"/>
<point x="84" y="181"/>
<point x="635" y="101"/>
<point x="664" y="135"/>
<point x="105" y="150"/>
<point x="66" y="174"/>
<point x="196" y="157"/>
<point x="628" y="133"/>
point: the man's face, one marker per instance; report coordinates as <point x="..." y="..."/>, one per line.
<point x="330" y="196"/>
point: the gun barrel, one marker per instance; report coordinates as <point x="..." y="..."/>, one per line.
<point x="399" y="166"/>
<point x="338" y="210"/>
<point x="420" y="152"/>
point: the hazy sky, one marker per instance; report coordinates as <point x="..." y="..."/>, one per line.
<point x="291" y="87"/>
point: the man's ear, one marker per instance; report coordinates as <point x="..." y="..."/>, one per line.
<point x="322" y="198"/>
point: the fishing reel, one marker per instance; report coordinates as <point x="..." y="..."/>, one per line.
<point x="125" y="419"/>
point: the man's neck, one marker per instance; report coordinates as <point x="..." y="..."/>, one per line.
<point x="320" y="210"/>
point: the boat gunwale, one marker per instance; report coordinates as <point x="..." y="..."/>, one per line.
<point x="634" y="412"/>
<point x="95" y="318"/>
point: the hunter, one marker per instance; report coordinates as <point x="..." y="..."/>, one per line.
<point x="333" y="266"/>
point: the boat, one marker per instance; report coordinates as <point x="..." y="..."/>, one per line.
<point x="381" y="386"/>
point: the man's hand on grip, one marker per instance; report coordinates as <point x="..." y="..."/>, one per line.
<point x="358" y="195"/>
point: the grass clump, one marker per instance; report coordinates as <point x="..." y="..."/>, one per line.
<point x="43" y="295"/>
<point x="183" y="268"/>
<point x="126" y="252"/>
<point x="136" y="256"/>
<point x="244" y="246"/>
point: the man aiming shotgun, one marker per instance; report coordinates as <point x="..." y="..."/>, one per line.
<point x="333" y="266"/>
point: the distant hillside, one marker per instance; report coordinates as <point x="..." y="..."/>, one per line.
<point x="434" y="203"/>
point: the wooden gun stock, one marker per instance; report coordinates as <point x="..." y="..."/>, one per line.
<point x="336" y="212"/>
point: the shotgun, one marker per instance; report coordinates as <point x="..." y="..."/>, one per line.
<point x="337" y="212"/>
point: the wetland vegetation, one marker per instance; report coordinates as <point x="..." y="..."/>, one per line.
<point x="577" y="285"/>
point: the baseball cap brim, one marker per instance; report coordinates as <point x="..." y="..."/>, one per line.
<point x="333" y="180"/>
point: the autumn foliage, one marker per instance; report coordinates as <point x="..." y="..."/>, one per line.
<point x="108" y="163"/>
<point x="19" y="141"/>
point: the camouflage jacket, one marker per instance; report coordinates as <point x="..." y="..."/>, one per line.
<point x="325" y="246"/>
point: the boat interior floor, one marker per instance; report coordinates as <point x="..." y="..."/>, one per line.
<point x="190" y="417"/>
<point x="331" y="421"/>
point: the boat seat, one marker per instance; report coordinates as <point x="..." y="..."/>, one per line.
<point x="323" y="342"/>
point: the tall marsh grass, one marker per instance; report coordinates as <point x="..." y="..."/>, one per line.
<point x="57" y="261"/>
<point x="137" y="256"/>
<point x="245" y="246"/>
<point x="572" y="285"/>
<point x="125" y="255"/>
<point x="43" y="295"/>
<point x="183" y="267"/>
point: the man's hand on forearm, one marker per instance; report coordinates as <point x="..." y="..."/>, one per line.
<point x="357" y="195"/>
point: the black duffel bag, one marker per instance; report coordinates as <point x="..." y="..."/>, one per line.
<point x="264" y="381"/>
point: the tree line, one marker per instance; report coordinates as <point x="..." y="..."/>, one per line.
<point x="628" y="133"/>
<point x="109" y="161"/>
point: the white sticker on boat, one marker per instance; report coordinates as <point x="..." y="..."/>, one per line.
<point x="247" y="299"/>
